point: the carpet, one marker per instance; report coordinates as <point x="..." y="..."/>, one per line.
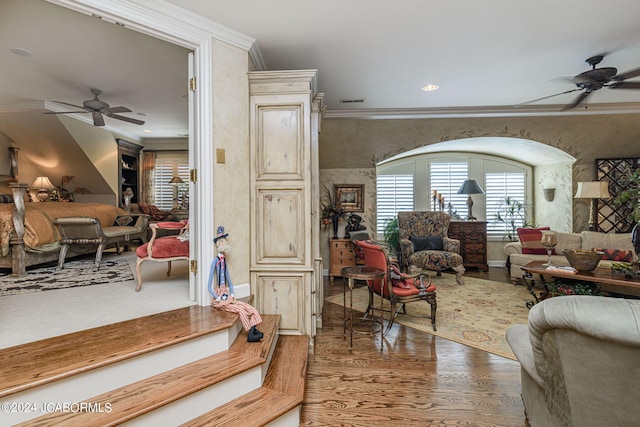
<point x="75" y="273"/>
<point x="476" y="314"/>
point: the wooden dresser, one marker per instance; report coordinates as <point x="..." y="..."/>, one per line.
<point x="473" y="242"/>
<point x="342" y="255"/>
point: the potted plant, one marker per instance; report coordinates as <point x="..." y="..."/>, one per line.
<point x="392" y="234"/>
<point x="513" y="214"/>
<point x="331" y="212"/>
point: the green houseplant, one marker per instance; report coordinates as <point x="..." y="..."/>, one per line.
<point x="392" y="234"/>
<point x="513" y="214"/>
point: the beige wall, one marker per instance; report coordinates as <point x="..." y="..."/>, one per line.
<point x="350" y="149"/>
<point x="231" y="133"/>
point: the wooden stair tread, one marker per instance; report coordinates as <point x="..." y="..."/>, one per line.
<point x="136" y="399"/>
<point x="33" y="364"/>
<point x="283" y="390"/>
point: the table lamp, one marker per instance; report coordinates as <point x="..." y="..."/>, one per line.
<point x="43" y="185"/>
<point x="176" y="181"/>
<point x="592" y="190"/>
<point x="470" y="186"/>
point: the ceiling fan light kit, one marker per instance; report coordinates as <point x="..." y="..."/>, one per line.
<point x="595" y="79"/>
<point x="98" y="109"/>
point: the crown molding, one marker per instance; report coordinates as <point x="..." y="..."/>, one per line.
<point x="497" y="111"/>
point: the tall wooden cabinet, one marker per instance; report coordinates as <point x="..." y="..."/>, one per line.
<point x="284" y="126"/>
<point x="128" y="169"/>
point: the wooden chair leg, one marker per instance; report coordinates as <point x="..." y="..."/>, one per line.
<point x="98" y="256"/>
<point x="139" y="273"/>
<point x="63" y="254"/>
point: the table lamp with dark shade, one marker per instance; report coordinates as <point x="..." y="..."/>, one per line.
<point x="470" y="186"/>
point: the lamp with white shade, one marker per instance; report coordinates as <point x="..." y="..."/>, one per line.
<point x="470" y="186"/>
<point x="176" y="181"/>
<point x="43" y="184"/>
<point x="592" y="190"/>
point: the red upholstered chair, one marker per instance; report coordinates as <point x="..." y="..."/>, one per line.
<point x="398" y="288"/>
<point x="163" y="249"/>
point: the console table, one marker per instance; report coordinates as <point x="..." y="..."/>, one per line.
<point x="473" y="242"/>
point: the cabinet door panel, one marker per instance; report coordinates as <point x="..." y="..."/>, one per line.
<point x="280" y="226"/>
<point x="283" y="294"/>
<point x="280" y="155"/>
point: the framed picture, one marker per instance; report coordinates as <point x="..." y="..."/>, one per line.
<point x="349" y="196"/>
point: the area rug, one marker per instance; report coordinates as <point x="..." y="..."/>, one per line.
<point x="75" y="273"/>
<point x="476" y="314"/>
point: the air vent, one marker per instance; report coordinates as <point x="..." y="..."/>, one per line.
<point x="351" y="101"/>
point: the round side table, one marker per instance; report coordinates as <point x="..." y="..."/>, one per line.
<point x="351" y="274"/>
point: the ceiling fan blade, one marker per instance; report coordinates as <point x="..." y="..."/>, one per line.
<point x="580" y="98"/>
<point x="64" y="112"/>
<point x="627" y="75"/>
<point x="98" y="120"/>
<point x="71" y="105"/>
<point x="118" y="109"/>
<point x="546" y="97"/>
<point x="127" y="119"/>
<point x="625" y="85"/>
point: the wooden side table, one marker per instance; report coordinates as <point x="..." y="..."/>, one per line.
<point x="351" y="274"/>
<point x="341" y="255"/>
<point x="473" y="242"/>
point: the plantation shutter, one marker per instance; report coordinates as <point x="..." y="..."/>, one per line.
<point x="498" y="186"/>
<point x="168" y="165"/>
<point x="394" y="194"/>
<point x="446" y="178"/>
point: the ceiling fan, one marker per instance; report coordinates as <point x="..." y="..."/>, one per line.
<point x="98" y="108"/>
<point x="595" y="79"/>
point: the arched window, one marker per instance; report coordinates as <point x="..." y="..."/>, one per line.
<point x="413" y="183"/>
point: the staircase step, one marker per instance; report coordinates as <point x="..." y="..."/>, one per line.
<point x="281" y="393"/>
<point x="33" y="364"/>
<point x="140" y="398"/>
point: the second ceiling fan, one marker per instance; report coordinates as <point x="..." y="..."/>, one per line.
<point x="98" y="108"/>
<point x="595" y="79"/>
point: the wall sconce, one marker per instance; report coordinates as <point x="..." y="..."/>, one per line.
<point x="592" y="190"/>
<point x="549" y="194"/>
<point x="43" y="184"/>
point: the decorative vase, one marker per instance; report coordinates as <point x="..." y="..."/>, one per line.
<point x="334" y="222"/>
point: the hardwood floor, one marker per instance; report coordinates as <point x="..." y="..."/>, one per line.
<point x="417" y="380"/>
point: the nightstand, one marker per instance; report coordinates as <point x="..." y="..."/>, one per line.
<point x="341" y="254"/>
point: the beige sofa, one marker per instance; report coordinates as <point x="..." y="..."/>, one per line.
<point x="586" y="240"/>
<point x="579" y="361"/>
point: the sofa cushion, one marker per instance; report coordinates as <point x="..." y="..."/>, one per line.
<point x="426" y="243"/>
<point x="594" y="239"/>
<point x="530" y="238"/>
<point x="615" y="254"/>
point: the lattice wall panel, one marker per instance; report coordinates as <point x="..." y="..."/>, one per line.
<point x="612" y="218"/>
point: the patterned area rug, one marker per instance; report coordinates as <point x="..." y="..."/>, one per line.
<point x="476" y="314"/>
<point x="75" y="273"/>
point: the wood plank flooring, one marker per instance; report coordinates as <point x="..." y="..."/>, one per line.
<point x="418" y="379"/>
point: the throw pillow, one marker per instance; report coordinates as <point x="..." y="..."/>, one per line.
<point x="426" y="243"/>
<point x="616" y="254"/>
<point x="530" y="238"/>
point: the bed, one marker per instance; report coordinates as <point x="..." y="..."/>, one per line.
<point x="28" y="235"/>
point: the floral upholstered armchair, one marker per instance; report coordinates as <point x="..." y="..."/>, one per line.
<point x="424" y="244"/>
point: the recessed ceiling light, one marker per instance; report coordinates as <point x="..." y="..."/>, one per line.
<point x="430" y="88"/>
<point x="20" y="51"/>
<point x="147" y="130"/>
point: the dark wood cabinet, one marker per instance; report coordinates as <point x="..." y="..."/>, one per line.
<point x="128" y="169"/>
<point x="473" y="242"/>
